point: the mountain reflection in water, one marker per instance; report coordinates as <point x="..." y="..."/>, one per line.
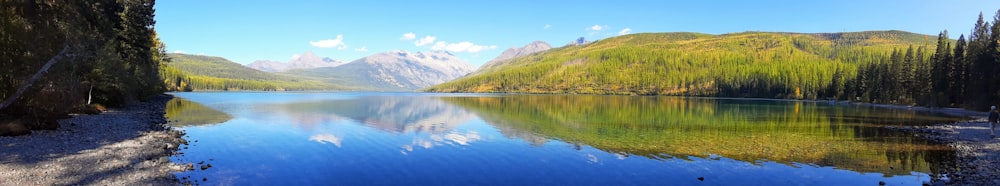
<point x="399" y="114"/>
<point x="358" y="138"/>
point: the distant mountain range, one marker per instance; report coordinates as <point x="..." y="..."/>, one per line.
<point x="515" y="52"/>
<point x="388" y="71"/>
<point x="306" y="60"/>
<point x="395" y="70"/>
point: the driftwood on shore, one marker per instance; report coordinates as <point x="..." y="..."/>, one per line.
<point x="27" y="83"/>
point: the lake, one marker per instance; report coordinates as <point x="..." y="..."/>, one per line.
<point x="353" y="138"/>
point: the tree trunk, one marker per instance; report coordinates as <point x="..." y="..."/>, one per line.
<point x="90" y="93"/>
<point x="24" y="87"/>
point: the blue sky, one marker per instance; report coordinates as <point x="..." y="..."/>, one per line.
<point x="477" y="31"/>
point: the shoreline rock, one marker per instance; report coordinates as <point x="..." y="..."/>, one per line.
<point x="977" y="152"/>
<point x="123" y="146"/>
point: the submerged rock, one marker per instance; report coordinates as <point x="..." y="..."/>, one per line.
<point x="206" y="166"/>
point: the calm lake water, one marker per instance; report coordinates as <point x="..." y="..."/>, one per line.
<point x="497" y="139"/>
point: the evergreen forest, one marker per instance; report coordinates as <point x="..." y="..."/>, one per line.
<point x="57" y="57"/>
<point x="892" y="67"/>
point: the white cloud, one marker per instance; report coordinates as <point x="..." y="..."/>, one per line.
<point x="408" y="36"/>
<point x="330" y="43"/>
<point x="547" y="26"/>
<point x="362" y="49"/>
<point x="463" y="46"/>
<point x="179" y="51"/>
<point x="625" y="31"/>
<point x="439" y="45"/>
<point x="295" y="57"/>
<point x="424" y="41"/>
<point x="597" y="27"/>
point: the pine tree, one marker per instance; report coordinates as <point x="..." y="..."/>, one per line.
<point x="993" y="54"/>
<point x="923" y="77"/>
<point x="981" y="63"/>
<point x="906" y="76"/>
<point x="941" y="66"/>
<point x="959" y="73"/>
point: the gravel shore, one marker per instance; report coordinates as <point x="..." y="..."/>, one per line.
<point x="977" y="160"/>
<point x="123" y="146"/>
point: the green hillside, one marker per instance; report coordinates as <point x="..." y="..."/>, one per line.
<point x="748" y="64"/>
<point x="197" y="73"/>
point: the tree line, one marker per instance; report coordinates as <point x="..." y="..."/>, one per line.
<point x="893" y="67"/>
<point x="962" y="73"/>
<point x="56" y="57"/>
<point x="747" y="64"/>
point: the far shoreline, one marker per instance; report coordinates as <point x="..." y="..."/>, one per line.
<point x="950" y="111"/>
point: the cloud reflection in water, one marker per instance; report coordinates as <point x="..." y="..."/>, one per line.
<point x="325" y="138"/>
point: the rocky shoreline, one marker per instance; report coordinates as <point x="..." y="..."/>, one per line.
<point x="977" y="152"/>
<point x="123" y="146"/>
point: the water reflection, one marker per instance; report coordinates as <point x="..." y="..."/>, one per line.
<point x="398" y="114"/>
<point x="452" y="138"/>
<point x="446" y="139"/>
<point x="184" y="113"/>
<point x="325" y="138"/>
<point x="752" y="131"/>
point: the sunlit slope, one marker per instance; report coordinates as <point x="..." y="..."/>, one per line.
<point x="790" y="65"/>
<point x="199" y="73"/>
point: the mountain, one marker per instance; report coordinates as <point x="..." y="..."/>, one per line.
<point x="748" y="64"/>
<point x="396" y="71"/>
<point x="197" y="72"/>
<point x="511" y="53"/>
<point x="305" y="61"/>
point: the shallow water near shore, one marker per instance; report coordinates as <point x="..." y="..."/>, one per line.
<point x="315" y="138"/>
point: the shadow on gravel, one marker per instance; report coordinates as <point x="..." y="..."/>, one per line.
<point x="124" y="146"/>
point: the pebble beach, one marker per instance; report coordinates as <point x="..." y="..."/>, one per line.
<point x="123" y="146"/>
<point x="977" y="160"/>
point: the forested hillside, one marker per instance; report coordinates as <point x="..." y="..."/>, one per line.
<point x="749" y="64"/>
<point x="199" y="73"/>
<point x="57" y="56"/>
<point x="873" y="66"/>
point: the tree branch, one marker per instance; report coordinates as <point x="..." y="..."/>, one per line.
<point x="24" y="87"/>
